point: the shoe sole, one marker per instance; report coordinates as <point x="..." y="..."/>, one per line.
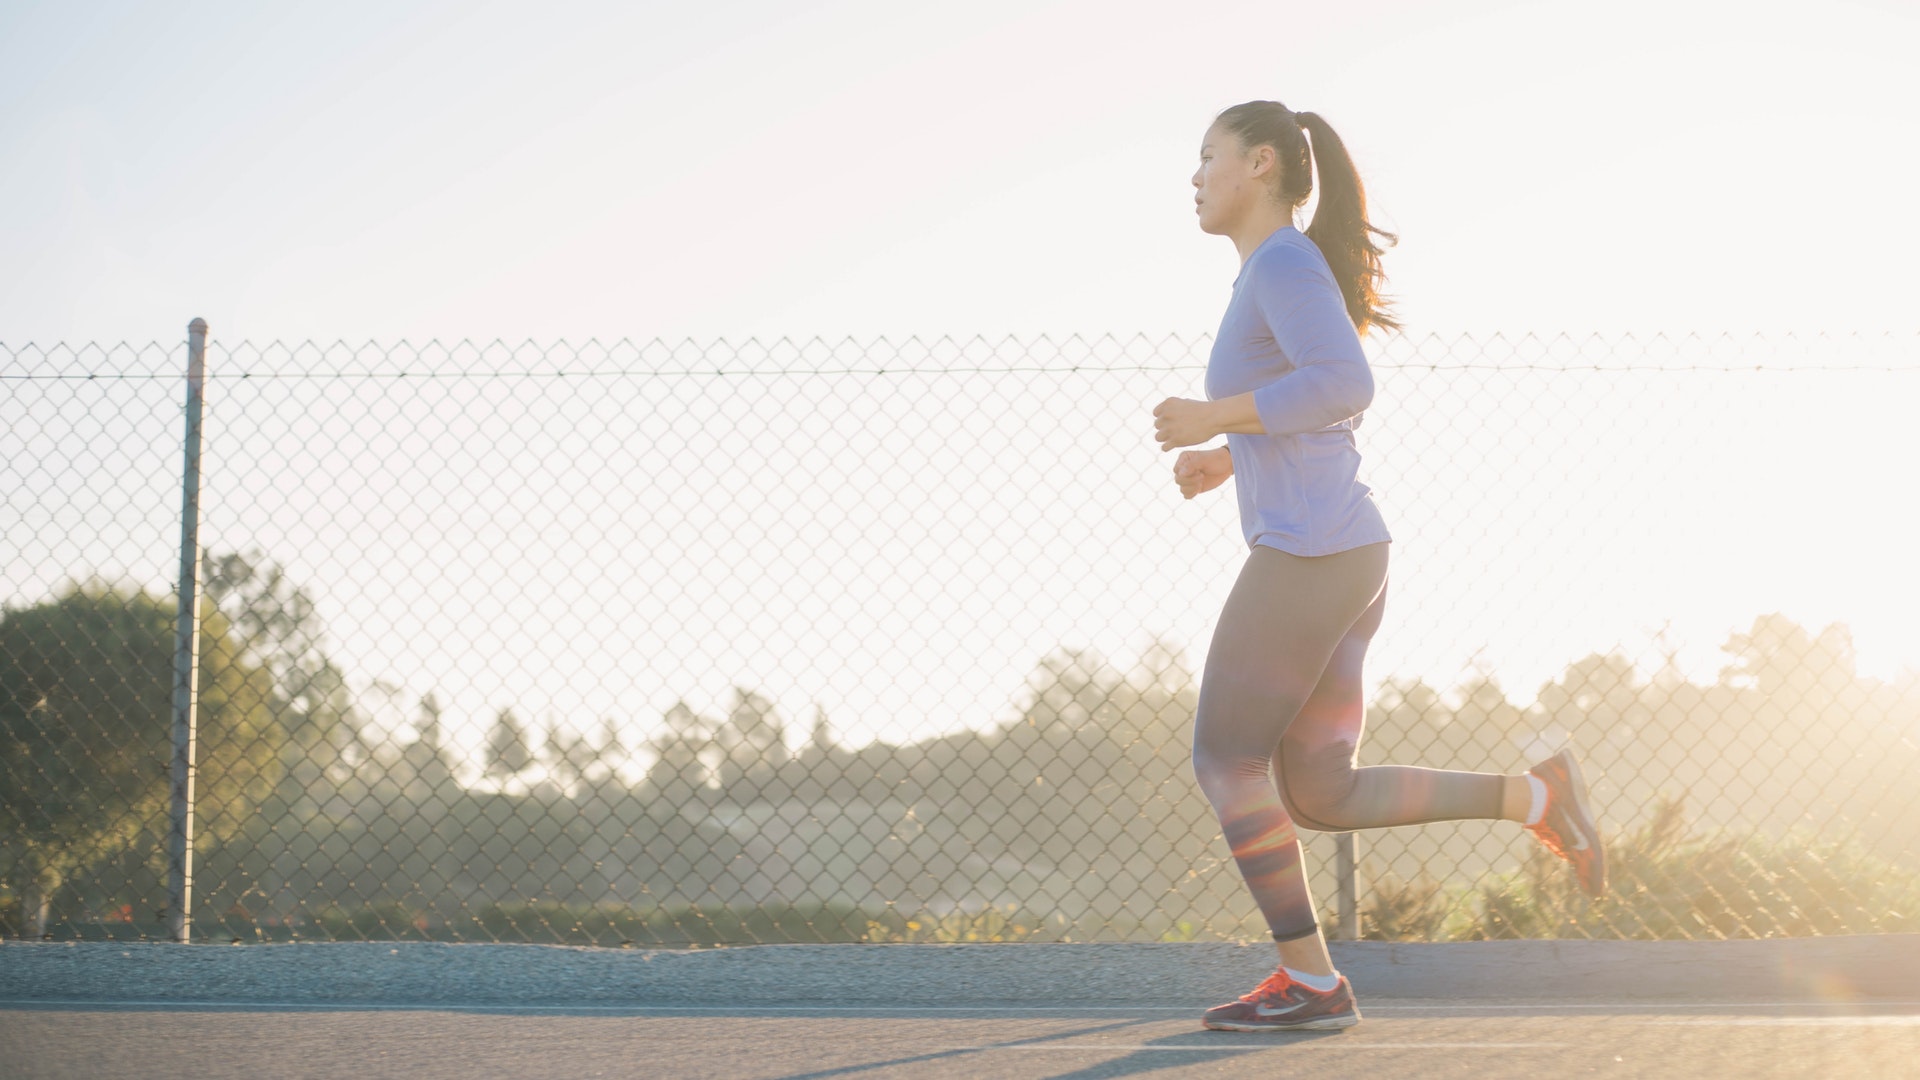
<point x="1320" y="1023"/>
<point x="1578" y="783"/>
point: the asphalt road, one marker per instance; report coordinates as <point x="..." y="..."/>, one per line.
<point x="760" y="1039"/>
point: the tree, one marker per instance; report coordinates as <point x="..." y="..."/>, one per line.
<point x="1069" y="693"/>
<point x="612" y="751"/>
<point x="570" y="758"/>
<point x="1594" y="700"/>
<point x="680" y="751"/>
<point x="1786" y="661"/>
<point x="86" y="722"/>
<point x="278" y="625"/>
<point x="508" y="751"/>
<point x="752" y="744"/>
<point x="423" y="764"/>
<point x="820" y="745"/>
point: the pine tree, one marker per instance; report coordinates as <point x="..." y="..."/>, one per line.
<point x="508" y="751"/>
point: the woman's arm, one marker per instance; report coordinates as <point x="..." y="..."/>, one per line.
<point x="1185" y="422"/>
<point x="1330" y="381"/>
<point x="1237" y="415"/>
<point x="1198" y="471"/>
<point x="1308" y="319"/>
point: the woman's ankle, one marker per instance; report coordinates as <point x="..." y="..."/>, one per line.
<point x="1516" y="798"/>
<point x="1307" y="954"/>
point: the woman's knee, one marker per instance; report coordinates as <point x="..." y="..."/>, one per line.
<point x="1302" y="816"/>
<point x="1226" y="777"/>
<point x="1317" y="782"/>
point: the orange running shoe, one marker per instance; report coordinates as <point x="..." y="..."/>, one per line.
<point x="1568" y="827"/>
<point x="1280" y="1004"/>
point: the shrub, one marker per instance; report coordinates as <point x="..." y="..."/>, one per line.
<point x="1667" y="882"/>
<point x="1397" y="910"/>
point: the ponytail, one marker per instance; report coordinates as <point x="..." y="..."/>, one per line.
<point x="1340" y="228"/>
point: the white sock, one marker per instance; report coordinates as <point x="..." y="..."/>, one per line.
<point x="1321" y="983"/>
<point x="1538" y="808"/>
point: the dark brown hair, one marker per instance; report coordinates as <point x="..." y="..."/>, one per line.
<point x="1340" y="227"/>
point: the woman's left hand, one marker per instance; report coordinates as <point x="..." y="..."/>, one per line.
<point x="1181" y="422"/>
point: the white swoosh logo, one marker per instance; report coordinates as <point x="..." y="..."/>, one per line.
<point x="1262" y="1010"/>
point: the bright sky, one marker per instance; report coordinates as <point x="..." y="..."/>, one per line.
<point x="441" y="170"/>
<point x="425" y="169"/>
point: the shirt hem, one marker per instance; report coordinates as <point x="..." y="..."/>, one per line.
<point x="1308" y="552"/>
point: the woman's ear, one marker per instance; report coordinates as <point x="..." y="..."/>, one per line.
<point x="1264" y="160"/>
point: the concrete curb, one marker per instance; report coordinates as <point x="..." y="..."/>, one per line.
<point x="1883" y="967"/>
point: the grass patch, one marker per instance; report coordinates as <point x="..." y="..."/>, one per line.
<point x="1667" y="883"/>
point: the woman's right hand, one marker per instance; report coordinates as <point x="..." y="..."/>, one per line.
<point x="1202" y="470"/>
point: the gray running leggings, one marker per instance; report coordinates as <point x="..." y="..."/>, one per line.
<point x="1280" y="719"/>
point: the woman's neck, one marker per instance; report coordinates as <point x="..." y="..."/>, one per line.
<point x="1260" y="224"/>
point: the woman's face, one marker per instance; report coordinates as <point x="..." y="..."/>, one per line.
<point x="1229" y="181"/>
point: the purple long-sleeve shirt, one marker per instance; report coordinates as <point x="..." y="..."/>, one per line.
<point x="1287" y="338"/>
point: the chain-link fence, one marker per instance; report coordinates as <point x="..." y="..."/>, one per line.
<point x="884" y="641"/>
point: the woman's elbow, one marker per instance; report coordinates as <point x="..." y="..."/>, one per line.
<point x="1357" y="391"/>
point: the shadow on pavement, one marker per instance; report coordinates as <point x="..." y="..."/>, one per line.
<point x="1164" y="1053"/>
<point x="848" y="1070"/>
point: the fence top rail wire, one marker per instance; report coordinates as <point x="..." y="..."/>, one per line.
<point x="786" y="357"/>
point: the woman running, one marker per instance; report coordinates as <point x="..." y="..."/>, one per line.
<point x="1280" y="708"/>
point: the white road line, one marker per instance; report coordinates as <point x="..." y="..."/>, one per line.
<point x="696" y="1010"/>
<point x="1627" y="1006"/>
<point x="1790" y="1021"/>
<point x="902" y="1010"/>
<point x="1348" y="1043"/>
<point x="1352" y="1044"/>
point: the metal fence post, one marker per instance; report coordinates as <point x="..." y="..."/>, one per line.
<point x="1346" y="867"/>
<point x="186" y="655"/>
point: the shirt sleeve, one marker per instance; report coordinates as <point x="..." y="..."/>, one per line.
<point x="1307" y="317"/>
